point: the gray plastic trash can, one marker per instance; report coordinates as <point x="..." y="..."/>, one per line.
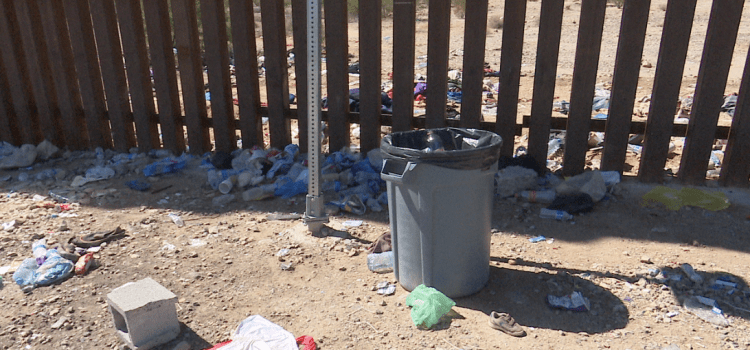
<point x="440" y="206"/>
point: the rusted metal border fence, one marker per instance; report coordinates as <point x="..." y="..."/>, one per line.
<point x="102" y="73"/>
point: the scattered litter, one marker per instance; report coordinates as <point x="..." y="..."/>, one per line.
<point x="287" y="266"/>
<point x="352" y="223"/>
<point x="282" y="252"/>
<point x="168" y="246"/>
<point x="573" y="302"/>
<point x="84" y="264"/>
<point x="7" y="226"/>
<point x="428" y="306"/>
<point x="380" y="262"/>
<point x="195" y="242"/>
<point x="176" y="219"/>
<point x="690" y="272"/>
<point x="385" y="288"/>
<point x="674" y="199"/>
<point x="710" y="314"/>
<point x="281" y="217"/>
<point x="537" y="239"/>
<point x="38" y="198"/>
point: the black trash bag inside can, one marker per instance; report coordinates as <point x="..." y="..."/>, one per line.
<point x="454" y="148"/>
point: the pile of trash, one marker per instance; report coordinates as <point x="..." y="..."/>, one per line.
<point x="353" y="181"/>
<point x="564" y="197"/>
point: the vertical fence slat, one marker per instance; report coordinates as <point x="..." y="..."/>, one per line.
<point x="8" y="130"/>
<point x="37" y="62"/>
<point x="165" y="75"/>
<point x="115" y="85"/>
<point x="86" y="62"/>
<point x="191" y="74"/>
<point x="709" y="90"/>
<point x="63" y="74"/>
<point x="438" y="41"/>
<point x="11" y="49"/>
<point x="219" y="83"/>
<point x="337" y="60"/>
<point x="369" y="63"/>
<point x="475" y="33"/>
<point x="277" y="79"/>
<point x="545" y="76"/>
<point x="584" y="80"/>
<point x="246" y="72"/>
<point x="133" y="39"/>
<point x="678" y="22"/>
<point x="510" y="74"/>
<point x="625" y="83"/>
<point x="404" y="23"/>
<point x="736" y="166"/>
<point x="299" y="26"/>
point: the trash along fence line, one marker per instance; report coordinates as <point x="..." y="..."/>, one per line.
<point x="123" y="73"/>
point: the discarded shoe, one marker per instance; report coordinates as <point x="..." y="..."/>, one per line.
<point x="68" y="251"/>
<point x="97" y="238"/>
<point x="505" y="323"/>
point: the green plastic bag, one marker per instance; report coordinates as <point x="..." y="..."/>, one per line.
<point x="674" y="199"/>
<point x="428" y="305"/>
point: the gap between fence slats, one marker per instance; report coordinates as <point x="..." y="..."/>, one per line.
<point x="113" y="74"/>
<point x="37" y="62"/>
<point x="133" y="38"/>
<point x="277" y="80"/>
<point x="299" y="27"/>
<point x="736" y="166"/>
<point x="545" y="76"/>
<point x="191" y="74"/>
<point x="709" y="89"/>
<point x="510" y="73"/>
<point x="678" y="22"/>
<point x="625" y="83"/>
<point x="584" y="80"/>
<point x="165" y="75"/>
<point x="337" y="65"/>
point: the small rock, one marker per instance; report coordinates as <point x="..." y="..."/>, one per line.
<point x="59" y="322"/>
<point x="646" y="259"/>
<point x="647" y="64"/>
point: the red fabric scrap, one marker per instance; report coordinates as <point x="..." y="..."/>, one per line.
<point x="307" y="341"/>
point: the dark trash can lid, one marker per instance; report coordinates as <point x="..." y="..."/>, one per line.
<point x="454" y="148"/>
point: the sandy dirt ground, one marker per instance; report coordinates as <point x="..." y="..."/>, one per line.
<point x="223" y="265"/>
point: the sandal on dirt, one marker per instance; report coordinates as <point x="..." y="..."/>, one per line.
<point x="505" y="323"/>
<point x="97" y="238"/>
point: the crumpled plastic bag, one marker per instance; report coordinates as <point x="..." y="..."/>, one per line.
<point x="514" y="179"/>
<point x="428" y="306"/>
<point x="590" y="182"/>
<point x="20" y="158"/>
<point x="674" y="199"/>
<point x="258" y="333"/>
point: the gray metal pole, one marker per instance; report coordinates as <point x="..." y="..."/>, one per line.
<point x="314" y="214"/>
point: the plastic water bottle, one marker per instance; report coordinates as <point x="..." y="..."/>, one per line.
<point x="546" y="196"/>
<point x="40" y="250"/>
<point x="176" y="219"/>
<point x="559" y="215"/>
<point x="690" y="272"/>
<point x="380" y="262"/>
<point x="26" y="273"/>
<point x="226" y="185"/>
<point x="58" y="198"/>
<point x="216" y="177"/>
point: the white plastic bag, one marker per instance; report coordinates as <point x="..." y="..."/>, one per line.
<point x="258" y="333"/>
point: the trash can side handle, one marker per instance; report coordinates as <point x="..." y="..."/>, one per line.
<point x="396" y="170"/>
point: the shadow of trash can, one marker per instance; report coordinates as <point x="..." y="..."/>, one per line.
<point x="440" y="185"/>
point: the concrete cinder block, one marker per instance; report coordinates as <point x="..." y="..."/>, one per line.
<point x="144" y="314"/>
